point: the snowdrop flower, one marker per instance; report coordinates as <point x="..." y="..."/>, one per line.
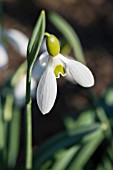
<point x="17" y="39"/>
<point x="19" y="42"/>
<point x="57" y="65"/>
<point x="3" y="56"/>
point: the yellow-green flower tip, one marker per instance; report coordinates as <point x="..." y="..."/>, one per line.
<point x="53" y="45"/>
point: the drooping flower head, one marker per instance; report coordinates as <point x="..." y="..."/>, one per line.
<point x="57" y="65"/>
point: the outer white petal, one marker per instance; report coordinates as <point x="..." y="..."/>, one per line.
<point x="18" y="40"/>
<point x="3" y="57"/>
<point x="66" y="60"/>
<point x="80" y="73"/>
<point x="69" y="77"/>
<point x="47" y="91"/>
<point x="20" y="90"/>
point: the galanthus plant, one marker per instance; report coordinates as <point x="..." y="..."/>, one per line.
<point x="54" y="65"/>
<point x="57" y="65"/>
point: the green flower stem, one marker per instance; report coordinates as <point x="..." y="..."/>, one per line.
<point x="28" y="137"/>
<point x="47" y="34"/>
<point x="28" y="163"/>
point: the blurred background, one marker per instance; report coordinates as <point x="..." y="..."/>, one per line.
<point x="92" y="21"/>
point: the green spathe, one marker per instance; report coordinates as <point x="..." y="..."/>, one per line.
<point x="53" y="45"/>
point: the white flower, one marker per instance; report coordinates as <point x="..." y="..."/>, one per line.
<point x="17" y="39"/>
<point x="56" y="66"/>
<point x="3" y="56"/>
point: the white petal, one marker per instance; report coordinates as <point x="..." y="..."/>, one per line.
<point x="18" y="40"/>
<point x="43" y="59"/>
<point x="43" y="47"/>
<point x="46" y="91"/>
<point x="33" y="86"/>
<point x="3" y="57"/>
<point x="37" y="71"/>
<point x="20" y="90"/>
<point x="40" y="66"/>
<point x="80" y="73"/>
<point x="63" y="59"/>
<point x="69" y="77"/>
<point x="66" y="61"/>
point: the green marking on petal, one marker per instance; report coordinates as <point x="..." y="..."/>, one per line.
<point x="59" y="69"/>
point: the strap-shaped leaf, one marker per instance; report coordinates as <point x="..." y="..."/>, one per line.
<point x="62" y="140"/>
<point x="86" y="151"/>
<point x="33" y="50"/>
<point x="107" y="163"/>
<point x="8" y="108"/>
<point x="65" y="159"/>
<point x="14" y="138"/>
<point x="36" y="40"/>
<point x="69" y="33"/>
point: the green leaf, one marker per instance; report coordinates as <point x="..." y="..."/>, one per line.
<point x="62" y="163"/>
<point x="86" y="151"/>
<point x="8" y="109"/>
<point x="108" y="96"/>
<point x="85" y="118"/>
<point x="100" y="167"/>
<point x="105" y="121"/>
<point x="69" y="33"/>
<point x="1" y="128"/>
<point x="14" y="138"/>
<point x="33" y="50"/>
<point x="1" y="135"/>
<point x="36" y="40"/>
<point x="60" y="141"/>
<point x="107" y="164"/>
